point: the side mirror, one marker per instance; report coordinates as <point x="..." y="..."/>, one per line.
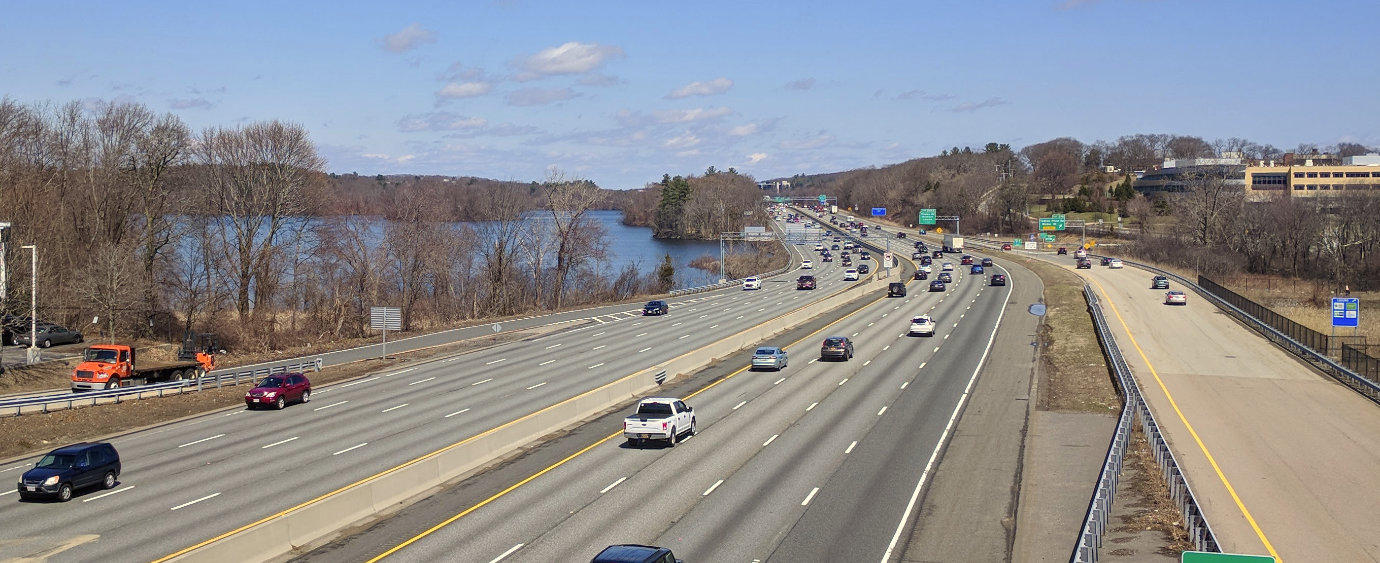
<point x="689" y="408"/>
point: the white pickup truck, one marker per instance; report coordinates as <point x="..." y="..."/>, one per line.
<point x="659" y="418"/>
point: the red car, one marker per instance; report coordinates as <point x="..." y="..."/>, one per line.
<point x="967" y="260"/>
<point x="1006" y="246"/>
<point x="279" y="390"/>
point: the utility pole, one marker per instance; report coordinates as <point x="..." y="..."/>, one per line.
<point x="33" y="355"/>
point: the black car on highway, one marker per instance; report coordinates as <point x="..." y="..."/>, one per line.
<point x="863" y="269"/>
<point x="936" y="285"/>
<point x="839" y="347"/>
<point x="656" y="307"/>
<point x="66" y="469"/>
<point x="998" y="279"/>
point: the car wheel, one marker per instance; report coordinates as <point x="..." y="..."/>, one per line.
<point x="671" y="442"/>
<point x="281" y="403"/>
<point x="693" y="429"/>
<point x="306" y="396"/>
<point x="112" y="383"/>
<point x="46" y="343"/>
<point x="79" y="339"/>
<point x="65" y="492"/>
<point x="109" y="481"/>
<point x="176" y="375"/>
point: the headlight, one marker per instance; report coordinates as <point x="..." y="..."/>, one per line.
<point x="51" y="481"/>
<point x="270" y="394"/>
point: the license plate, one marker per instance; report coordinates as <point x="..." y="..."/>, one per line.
<point x="31" y="488"/>
<point x="254" y="400"/>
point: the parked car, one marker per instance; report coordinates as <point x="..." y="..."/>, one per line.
<point x="998" y="279"/>
<point x="864" y="269"/>
<point x="1062" y="251"/>
<point x="64" y="470"/>
<point x="1085" y="264"/>
<point x="805" y="282"/>
<point x="946" y="277"/>
<point x="850" y="274"/>
<point x="921" y="275"/>
<point x="1006" y="246"/>
<point x="655" y="307"/>
<point x="807" y="265"/>
<point x="632" y="553"/>
<point x="1175" y="298"/>
<point x="839" y="347"/>
<point x="752" y="282"/>
<point x="659" y="418"/>
<point x="279" y="390"/>
<point x="976" y="269"/>
<point x="47" y="335"/>
<point x="937" y="285"/>
<point x="987" y="262"/>
<point x="1159" y="282"/>
<point x="896" y="289"/>
<point x="769" y="357"/>
<point x="922" y="325"/>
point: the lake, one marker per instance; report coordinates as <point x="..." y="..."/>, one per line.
<point x="629" y="245"/>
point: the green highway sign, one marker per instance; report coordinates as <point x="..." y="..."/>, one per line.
<point x="1047" y="237"/>
<point x="1055" y="223"/>
<point x="780" y="200"/>
<point x="927" y="217"/>
<point x="823" y="198"/>
<point x="1208" y="557"/>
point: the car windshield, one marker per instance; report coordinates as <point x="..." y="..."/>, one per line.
<point x="833" y="342"/>
<point x="100" y="355"/>
<point x="57" y="461"/>
<point x="271" y="382"/>
<point x="765" y="351"/>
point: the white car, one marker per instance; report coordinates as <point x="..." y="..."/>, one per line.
<point x="922" y="325"/>
<point x="752" y="283"/>
<point x="819" y="247"/>
<point x="926" y="268"/>
<point x="1115" y="264"/>
<point x="850" y="274"/>
<point x="807" y="265"/>
<point x="948" y="267"/>
<point x="1175" y="298"/>
<point x="1080" y="253"/>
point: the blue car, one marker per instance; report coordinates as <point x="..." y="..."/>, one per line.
<point x="66" y="469"/>
<point x="976" y="269"/>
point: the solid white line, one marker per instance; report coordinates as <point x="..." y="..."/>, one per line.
<point x="546" y="362"/>
<point x="779" y="381"/>
<point x="809" y="496"/>
<point x="186" y="504"/>
<point x="904" y="384"/>
<point x="536" y="386"/>
<point x="495" y="361"/>
<point x="850" y="447"/>
<point x="8" y="492"/>
<point x="595" y="365"/>
<point x="329" y="406"/>
<point x="14" y="468"/>
<point x="420" y="381"/>
<point x="399" y="372"/>
<point x="351" y="448"/>
<point x="770" y="440"/>
<point x="552" y="346"/>
<point x="484" y="381"/>
<point x="506" y="553"/>
<point x="812" y="406"/>
<point x="107" y="494"/>
<point x="455" y="413"/>
<point x="924" y="475"/>
<point x="712" y="487"/>
<point x="240" y="411"/>
<point x="280" y="442"/>
<point x="615" y="484"/>
<point x="358" y="382"/>
<point x="879" y="413"/>
<point x="643" y="350"/>
<point x="739" y="405"/>
<point x="200" y="441"/>
<point x="394" y="408"/>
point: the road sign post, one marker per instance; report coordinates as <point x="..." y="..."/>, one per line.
<point x="1346" y="311"/>
<point x="385" y="319"/>
<point x="1055" y="223"/>
<point x="879" y="212"/>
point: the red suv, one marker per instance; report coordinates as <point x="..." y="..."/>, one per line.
<point x="279" y="390"/>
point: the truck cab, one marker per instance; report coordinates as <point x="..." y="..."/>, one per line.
<point x="103" y="367"/>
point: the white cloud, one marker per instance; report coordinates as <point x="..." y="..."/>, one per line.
<point x="802" y="84"/>
<point x="715" y="86"/>
<point x="539" y="96"/>
<point x="191" y="103"/>
<point x="439" y="121"/>
<point x="974" y="106"/>
<point x="693" y="114"/>
<point x="596" y="79"/>
<point x="376" y="156"/>
<point x="570" y="58"/>
<point x="756" y="157"/>
<point x="464" y="90"/>
<point x="404" y="158"/>
<point x="683" y="141"/>
<point x="459" y="72"/>
<point x="743" y="130"/>
<point x="407" y="39"/>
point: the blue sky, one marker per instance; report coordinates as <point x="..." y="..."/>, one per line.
<point x="623" y="92"/>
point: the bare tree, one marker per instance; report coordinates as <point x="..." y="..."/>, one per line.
<point x="569" y="200"/>
<point x="1210" y="204"/>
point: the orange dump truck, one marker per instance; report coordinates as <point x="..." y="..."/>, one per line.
<point x="107" y="366"/>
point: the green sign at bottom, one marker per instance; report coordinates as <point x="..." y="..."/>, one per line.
<point x="1047" y="237"/>
<point x="1207" y="557"/>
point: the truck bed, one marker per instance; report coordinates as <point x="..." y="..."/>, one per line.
<point x="147" y="366"/>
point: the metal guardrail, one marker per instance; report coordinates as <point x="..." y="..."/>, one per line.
<point x="215" y="379"/>
<point x="1135" y="409"/>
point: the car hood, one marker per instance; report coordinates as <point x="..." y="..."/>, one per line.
<point x="41" y="473"/>
<point x="262" y="390"/>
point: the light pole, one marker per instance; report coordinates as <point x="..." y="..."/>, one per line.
<point x="33" y="304"/>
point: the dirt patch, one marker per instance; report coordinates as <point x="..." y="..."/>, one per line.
<point x="34" y="433"/>
<point x="1073" y="372"/>
<point x="1147" y="502"/>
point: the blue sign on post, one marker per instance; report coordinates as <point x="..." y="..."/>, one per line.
<point x="1346" y="311"/>
<point x="879" y="212"/>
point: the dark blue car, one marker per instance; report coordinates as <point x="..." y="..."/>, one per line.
<point x="69" y="468"/>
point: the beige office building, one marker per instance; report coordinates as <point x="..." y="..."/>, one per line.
<point x="1356" y="174"/>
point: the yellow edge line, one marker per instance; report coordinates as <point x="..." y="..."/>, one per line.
<point x="1201" y="446"/>
<point x="504" y="492"/>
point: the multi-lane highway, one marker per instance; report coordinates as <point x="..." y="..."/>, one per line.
<point x="820" y="462"/>
<point x="192" y="480"/>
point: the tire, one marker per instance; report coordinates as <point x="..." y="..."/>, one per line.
<point x="112" y="383"/>
<point x="79" y="339"/>
<point x="109" y="481"/>
<point x="64" y="492"/>
<point x="176" y="375"/>
<point x="306" y="396"/>
<point x="46" y="343"/>
<point x="693" y="429"/>
<point x="281" y="403"/>
<point x="196" y="373"/>
<point x="671" y="442"/>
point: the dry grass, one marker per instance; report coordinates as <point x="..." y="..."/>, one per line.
<point x="1147" y="496"/>
<point x="1073" y="372"/>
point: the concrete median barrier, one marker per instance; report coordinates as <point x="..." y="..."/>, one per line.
<point x="314" y="520"/>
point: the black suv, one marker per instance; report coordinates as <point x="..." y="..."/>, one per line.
<point x="863" y="269"/>
<point x="656" y="307"/>
<point x="896" y="289"/>
<point x="69" y="468"/>
<point x="632" y="553"/>
<point x="998" y="279"/>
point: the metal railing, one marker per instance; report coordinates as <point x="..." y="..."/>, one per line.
<point x="1135" y="409"/>
<point x="214" y="379"/>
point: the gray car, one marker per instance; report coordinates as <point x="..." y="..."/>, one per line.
<point x="48" y="335"/>
<point x="769" y="357"/>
